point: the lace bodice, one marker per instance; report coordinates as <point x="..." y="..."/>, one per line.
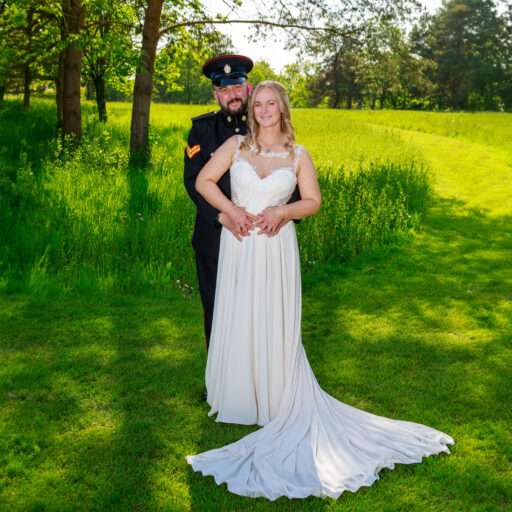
<point x="259" y="180"/>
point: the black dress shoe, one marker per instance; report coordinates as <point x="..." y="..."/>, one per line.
<point x="204" y="395"/>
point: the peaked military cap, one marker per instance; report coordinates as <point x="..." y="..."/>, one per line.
<point x="227" y="69"/>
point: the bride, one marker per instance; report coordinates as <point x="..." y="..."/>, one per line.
<point x="257" y="372"/>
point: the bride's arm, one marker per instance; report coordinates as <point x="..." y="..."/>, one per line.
<point x="309" y="190"/>
<point x="273" y="218"/>
<point x="206" y="185"/>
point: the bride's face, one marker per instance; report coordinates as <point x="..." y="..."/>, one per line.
<point x="266" y="108"/>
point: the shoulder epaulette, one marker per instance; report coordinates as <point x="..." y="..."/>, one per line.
<point x="203" y="117"/>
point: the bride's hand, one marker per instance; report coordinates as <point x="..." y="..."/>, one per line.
<point x="241" y="221"/>
<point x="270" y="220"/>
<point x="228" y="223"/>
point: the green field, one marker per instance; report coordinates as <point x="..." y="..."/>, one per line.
<point x="101" y="348"/>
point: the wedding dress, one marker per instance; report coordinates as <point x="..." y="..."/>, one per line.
<point x="257" y="371"/>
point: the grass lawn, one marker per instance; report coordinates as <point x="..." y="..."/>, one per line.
<point x="100" y="395"/>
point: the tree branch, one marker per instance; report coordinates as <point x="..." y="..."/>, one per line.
<point x="276" y="24"/>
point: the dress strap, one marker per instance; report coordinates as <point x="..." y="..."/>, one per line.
<point x="296" y="157"/>
<point x="239" y="139"/>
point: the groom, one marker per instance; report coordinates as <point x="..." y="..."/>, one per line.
<point x="228" y="74"/>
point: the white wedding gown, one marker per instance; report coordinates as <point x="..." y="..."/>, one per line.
<point x="257" y="371"/>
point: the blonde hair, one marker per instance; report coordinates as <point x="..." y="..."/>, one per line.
<point x="251" y="139"/>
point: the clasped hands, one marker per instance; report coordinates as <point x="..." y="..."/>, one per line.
<point x="240" y="222"/>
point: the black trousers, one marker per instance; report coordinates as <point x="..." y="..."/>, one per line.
<point x="206" y="266"/>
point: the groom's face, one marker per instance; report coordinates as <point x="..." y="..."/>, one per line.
<point x="233" y="98"/>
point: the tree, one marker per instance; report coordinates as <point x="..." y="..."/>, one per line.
<point x="343" y="68"/>
<point x="464" y="39"/>
<point x="262" y="70"/>
<point x="28" y="43"/>
<point x="109" y="53"/>
<point x="381" y="68"/>
<point x="73" y="18"/>
<point x="297" y="78"/>
<point x="139" y="139"/>
<point x="505" y="87"/>
<point x="178" y="14"/>
<point x="4" y="49"/>
<point x="178" y="75"/>
<point x="394" y="73"/>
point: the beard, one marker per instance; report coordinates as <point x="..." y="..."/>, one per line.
<point x="228" y="109"/>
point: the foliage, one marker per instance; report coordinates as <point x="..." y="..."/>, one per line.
<point x="464" y="39"/>
<point x="298" y="79"/>
<point x="178" y="73"/>
<point x="457" y="58"/>
<point x="109" y="50"/>
<point x="262" y="71"/>
<point x="29" y="42"/>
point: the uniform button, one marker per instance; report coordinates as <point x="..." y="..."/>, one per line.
<point x="244" y="118"/>
<point x="237" y="130"/>
<point x="229" y="119"/>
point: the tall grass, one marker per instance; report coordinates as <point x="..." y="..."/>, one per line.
<point x="89" y="221"/>
<point x="364" y="210"/>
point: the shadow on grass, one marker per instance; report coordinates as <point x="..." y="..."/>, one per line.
<point x="95" y="401"/>
<point x="459" y="264"/>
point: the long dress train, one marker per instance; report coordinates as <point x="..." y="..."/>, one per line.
<point x="257" y="371"/>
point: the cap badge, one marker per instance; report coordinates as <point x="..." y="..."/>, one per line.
<point x="227" y="69"/>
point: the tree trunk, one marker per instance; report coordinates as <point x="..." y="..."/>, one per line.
<point x="139" y="143"/>
<point x="2" y="91"/>
<point x="26" y="66"/>
<point x="59" y="96"/>
<point x="89" y="90"/>
<point x="99" y="85"/>
<point x="188" y="85"/>
<point x="336" y="81"/>
<point x="26" y="86"/>
<point x="72" y="120"/>
<point x="383" y="99"/>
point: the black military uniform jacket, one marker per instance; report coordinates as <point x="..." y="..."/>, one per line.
<point x="208" y="133"/>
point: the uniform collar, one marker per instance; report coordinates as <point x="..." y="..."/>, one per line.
<point x="232" y="120"/>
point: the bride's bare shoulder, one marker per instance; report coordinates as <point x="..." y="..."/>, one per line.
<point x="303" y="159"/>
<point x="229" y="146"/>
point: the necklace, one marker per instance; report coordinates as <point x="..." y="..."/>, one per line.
<point x="268" y="153"/>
